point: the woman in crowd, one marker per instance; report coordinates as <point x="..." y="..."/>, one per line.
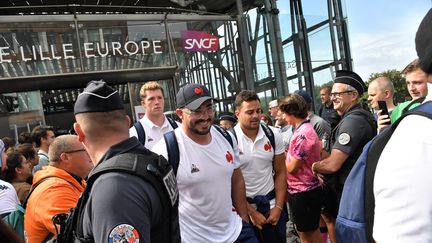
<point x="17" y="173"/>
<point x="304" y="190"/>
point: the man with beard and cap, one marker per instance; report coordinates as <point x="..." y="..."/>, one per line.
<point x="131" y="195"/>
<point x="401" y="186"/>
<point x="356" y="128"/>
<point x="212" y="199"/>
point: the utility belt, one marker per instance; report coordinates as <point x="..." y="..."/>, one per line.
<point x="262" y="201"/>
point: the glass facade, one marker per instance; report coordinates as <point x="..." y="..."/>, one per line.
<point x="45" y="61"/>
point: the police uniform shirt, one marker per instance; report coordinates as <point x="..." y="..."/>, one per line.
<point x="121" y="204"/>
<point x="153" y="132"/>
<point x="204" y="183"/>
<point x="350" y="136"/>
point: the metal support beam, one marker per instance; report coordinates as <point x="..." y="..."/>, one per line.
<point x="277" y="56"/>
<point x="246" y="80"/>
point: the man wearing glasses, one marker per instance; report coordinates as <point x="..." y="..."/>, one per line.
<point x="356" y="128"/>
<point x="212" y="200"/>
<point x="69" y="165"/>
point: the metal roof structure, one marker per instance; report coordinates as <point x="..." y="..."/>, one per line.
<point x="36" y="7"/>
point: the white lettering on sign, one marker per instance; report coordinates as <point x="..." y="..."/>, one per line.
<point x="89" y="50"/>
<point x="204" y="43"/>
<point x="4" y="51"/>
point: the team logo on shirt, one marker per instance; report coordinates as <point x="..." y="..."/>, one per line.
<point x="150" y="139"/>
<point x="194" y="168"/>
<point x="344" y="138"/>
<point x="267" y="146"/>
<point x="229" y="157"/>
<point x="123" y="233"/>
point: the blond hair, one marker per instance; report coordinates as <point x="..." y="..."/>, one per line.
<point x="152" y="85"/>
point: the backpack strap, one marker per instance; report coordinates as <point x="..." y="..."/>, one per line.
<point x="374" y="154"/>
<point x="225" y="134"/>
<point x="140" y="131"/>
<point x="24" y="205"/>
<point x="172" y="122"/>
<point x="270" y="135"/>
<point x="172" y="150"/>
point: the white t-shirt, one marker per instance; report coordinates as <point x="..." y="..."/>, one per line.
<point x="204" y="182"/>
<point x="8" y="197"/>
<point x="402" y="184"/>
<point x="256" y="159"/>
<point x="153" y="132"/>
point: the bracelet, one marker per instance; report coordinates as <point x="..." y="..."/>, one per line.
<point x="277" y="206"/>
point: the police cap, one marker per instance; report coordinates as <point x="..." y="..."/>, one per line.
<point x="423" y="43"/>
<point x="352" y="79"/>
<point x="98" y="97"/>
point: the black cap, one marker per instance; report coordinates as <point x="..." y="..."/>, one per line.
<point x="228" y="117"/>
<point x="306" y="96"/>
<point x="192" y="96"/>
<point x="351" y="78"/>
<point x="423" y="42"/>
<point x="98" y="97"/>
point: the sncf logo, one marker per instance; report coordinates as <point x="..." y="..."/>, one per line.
<point x="196" y="41"/>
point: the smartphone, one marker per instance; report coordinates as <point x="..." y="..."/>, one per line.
<point x="384" y="111"/>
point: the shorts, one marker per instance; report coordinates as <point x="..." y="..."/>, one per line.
<point x="329" y="205"/>
<point x="306" y="209"/>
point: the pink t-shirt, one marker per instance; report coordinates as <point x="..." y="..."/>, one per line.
<point x="305" y="146"/>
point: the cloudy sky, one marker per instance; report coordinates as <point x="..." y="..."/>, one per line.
<point x="382" y="33"/>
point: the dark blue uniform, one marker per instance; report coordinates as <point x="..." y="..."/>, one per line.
<point x="124" y="206"/>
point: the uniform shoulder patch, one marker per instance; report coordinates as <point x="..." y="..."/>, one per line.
<point x="344" y="138"/>
<point x="123" y="233"/>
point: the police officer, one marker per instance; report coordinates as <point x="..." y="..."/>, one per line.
<point x="121" y="206"/>
<point x="356" y="128"/>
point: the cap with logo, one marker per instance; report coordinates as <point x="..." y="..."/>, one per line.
<point x="352" y="79"/>
<point x="98" y="96"/>
<point x="423" y="42"/>
<point x="192" y="96"/>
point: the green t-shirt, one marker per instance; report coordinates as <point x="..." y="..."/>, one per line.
<point x="398" y="110"/>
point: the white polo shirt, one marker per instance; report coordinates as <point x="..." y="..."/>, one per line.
<point x="402" y="184"/>
<point x="153" y="132"/>
<point x="256" y="159"/>
<point x="204" y="182"/>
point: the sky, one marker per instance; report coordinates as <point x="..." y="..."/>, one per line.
<point x="382" y="33"/>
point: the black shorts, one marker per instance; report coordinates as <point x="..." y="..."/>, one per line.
<point x="330" y="205"/>
<point x="306" y="209"/>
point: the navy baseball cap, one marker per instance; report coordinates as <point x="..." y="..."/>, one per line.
<point x="192" y="96"/>
<point x="98" y="97"/>
<point x="305" y="95"/>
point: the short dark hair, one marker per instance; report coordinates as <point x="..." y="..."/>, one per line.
<point x="25" y="137"/>
<point x="295" y="105"/>
<point x="8" y="142"/>
<point x="245" y="95"/>
<point x="40" y="132"/>
<point x="27" y="150"/>
<point x="14" y="160"/>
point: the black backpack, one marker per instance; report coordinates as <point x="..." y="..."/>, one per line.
<point x="157" y="173"/>
<point x="173" y="149"/>
<point x="141" y="132"/>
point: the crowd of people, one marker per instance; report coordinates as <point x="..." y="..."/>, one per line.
<point x="254" y="177"/>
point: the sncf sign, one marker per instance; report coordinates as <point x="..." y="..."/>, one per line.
<point x="196" y="41"/>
